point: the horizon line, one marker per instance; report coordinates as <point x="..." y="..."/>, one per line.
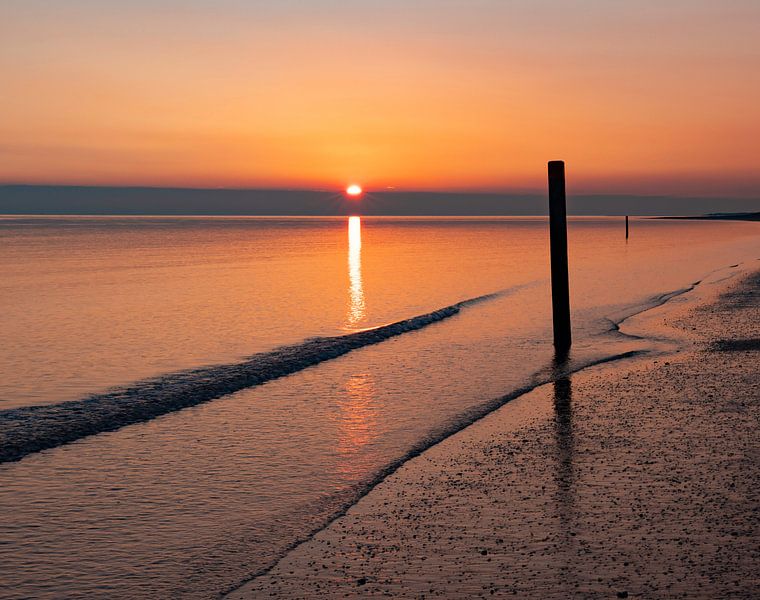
<point x="370" y="191"/>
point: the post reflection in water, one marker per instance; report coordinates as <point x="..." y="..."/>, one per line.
<point x="357" y="426"/>
<point x="563" y="431"/>
<point x="356" y="307"/>
<point x="565" y="476"/>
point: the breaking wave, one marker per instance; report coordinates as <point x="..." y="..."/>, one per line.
<point x="34" y="428"/>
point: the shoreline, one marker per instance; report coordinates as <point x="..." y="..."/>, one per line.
<point x="367" y="550"/>
<point x="744" y="216"/>
<point x="635" y="346"/>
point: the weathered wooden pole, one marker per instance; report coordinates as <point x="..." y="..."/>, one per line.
<point x="626" y="227"/>
<point x="558" y="244"/>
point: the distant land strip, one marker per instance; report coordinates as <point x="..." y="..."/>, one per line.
<point x="741" y="216"/>
<point x="34" y="428"/>
<point x="19" y="199"/>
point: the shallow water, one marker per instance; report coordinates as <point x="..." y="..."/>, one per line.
<point x="195" y="501"/>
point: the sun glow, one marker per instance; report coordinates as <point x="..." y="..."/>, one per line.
<point x="354" y="190"/>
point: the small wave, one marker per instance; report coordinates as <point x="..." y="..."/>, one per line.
<point x="35" y="428"/>
<point x="616" y="320"/>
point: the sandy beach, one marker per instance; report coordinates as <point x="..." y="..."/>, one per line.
<point x="634" y="479"/>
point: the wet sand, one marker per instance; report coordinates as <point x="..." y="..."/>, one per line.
<point x="638" y="479"/>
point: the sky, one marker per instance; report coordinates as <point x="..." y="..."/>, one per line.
<point x="638" y="97"/>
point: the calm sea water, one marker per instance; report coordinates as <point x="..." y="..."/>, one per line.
<point x="194" y="502"/>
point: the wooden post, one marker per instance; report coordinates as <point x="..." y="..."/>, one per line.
<point x="626" y="227"/>
<point x="558" y="244"/>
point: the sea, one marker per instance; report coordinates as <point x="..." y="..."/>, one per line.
<point x="185" y="399"/>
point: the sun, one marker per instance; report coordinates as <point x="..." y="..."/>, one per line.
<point x="354" y="190"/>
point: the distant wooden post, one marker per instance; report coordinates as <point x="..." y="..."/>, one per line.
<point x="558" y="244"/>
<point x="626" y="227"/>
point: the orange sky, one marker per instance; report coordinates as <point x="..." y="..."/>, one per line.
<point x="641" y="97"/>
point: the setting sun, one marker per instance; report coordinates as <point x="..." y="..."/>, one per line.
<point x="354" y="190"/>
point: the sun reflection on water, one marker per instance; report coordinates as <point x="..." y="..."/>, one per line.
<point x="357" y="425"/>
<point x="356" y="306"/>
